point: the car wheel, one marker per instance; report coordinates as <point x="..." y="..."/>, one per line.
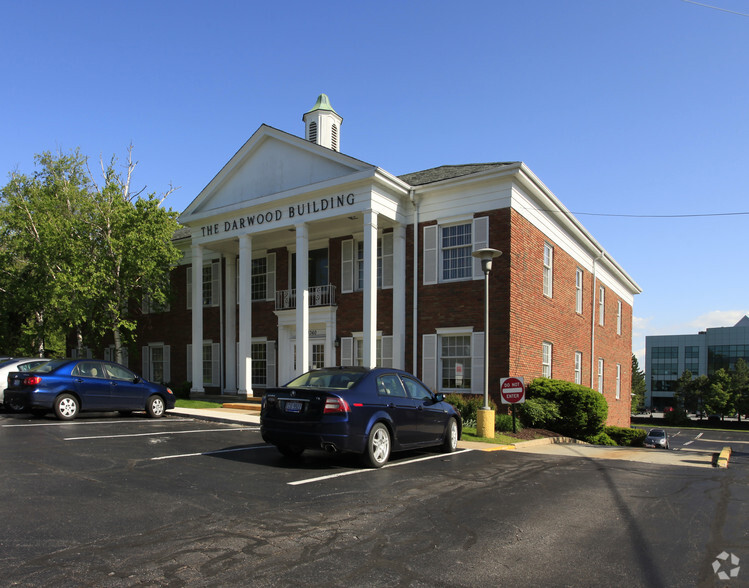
<point x="378" y="446"/>
<point x="292" y="451"/>
<point x="155" y="406"/>
<point x="450" y="443"/>
<point x="66" y="407"/>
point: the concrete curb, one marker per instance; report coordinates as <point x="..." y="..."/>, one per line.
<point x="550" y="441"/>
<point x="723" y="457"/>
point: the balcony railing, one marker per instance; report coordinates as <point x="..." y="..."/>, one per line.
<point x="318" y="296"/>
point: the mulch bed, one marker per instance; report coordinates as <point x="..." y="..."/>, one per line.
<point x="529" y="434"/>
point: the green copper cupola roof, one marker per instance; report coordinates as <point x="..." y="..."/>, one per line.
<point x="323" y="103"/>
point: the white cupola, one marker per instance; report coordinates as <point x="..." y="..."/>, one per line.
<point x="322" y="124"/>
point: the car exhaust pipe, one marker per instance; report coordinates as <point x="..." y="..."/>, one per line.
<point x="330" y="447"/>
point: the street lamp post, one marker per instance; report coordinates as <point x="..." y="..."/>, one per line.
<point x="485" y="416"/>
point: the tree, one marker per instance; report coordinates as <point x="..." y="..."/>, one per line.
<point x="638" y="386"/>
<point x="718" y="398"/>
<point x="739" y="388"/>
<point x="41" y="241"/>
<point x="80" y="258"/>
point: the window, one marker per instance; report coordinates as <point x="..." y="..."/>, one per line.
<point x="211" y="284"/>
<point x="600" y="375"/>
<point x="457" y="263"/>
<point x="579" y="291"/>
<point x="313" y="132"/>
<point x="664" y="368"/>
<point x="546" y="359"/>
<point x="455" y="362"/>
<point x="692" y="359"/>
<point x="618" y="381"/>
<point x="157" y="359"/>
<point x="618" y="317"/>
<point x="385" y="360"/>
<point x="601" y="304"/>
<point x="448" y="248"/>
<point x="259" y="364"/>
<point x="548" y="269"/>
<point x="211" y="359"/>
<point x="578" y="367"/>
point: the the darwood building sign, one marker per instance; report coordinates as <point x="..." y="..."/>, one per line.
<point x="279" y="214"/>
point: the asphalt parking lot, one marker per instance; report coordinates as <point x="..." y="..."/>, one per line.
<point x="109" y="501"/>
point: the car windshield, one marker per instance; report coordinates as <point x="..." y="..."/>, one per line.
<point x="337" y="379"/>
<point x="50" y="366"/>
<point x="656" y="433"/>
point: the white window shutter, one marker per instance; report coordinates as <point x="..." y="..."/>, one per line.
<point x="270" y="281"/>
<point x="431" y="254"/>
<point x="429" y="361"/>
<point x="387" y="260"/>
<point x="270" y="363"/>
<point x="387" y="351"/>
<point x="480" y="241"/>
<point x="347" y="351"/>
<point x="215" y="283"/>
<point x="108" y="354"/>
<point x="215" y="364"/>
<point x="167" y="364"/>
<point x="347" y="266"/>
<point x="477" y="363"/>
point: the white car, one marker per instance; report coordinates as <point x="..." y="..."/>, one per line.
<point x="16" y="364"/>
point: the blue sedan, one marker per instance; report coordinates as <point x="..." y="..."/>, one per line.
<point x="70" y="386"/>
<point x="372" y="412"/>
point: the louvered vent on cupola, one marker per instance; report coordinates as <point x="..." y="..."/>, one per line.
<point x="322" y="124"/>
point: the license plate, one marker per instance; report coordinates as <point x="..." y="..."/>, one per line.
<point x="293" y="406"/>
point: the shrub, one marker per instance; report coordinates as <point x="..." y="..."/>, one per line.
<point x="503" y="423"/>
<point x="582" y="411"/>
<point x="625" y="436"/>
<point x="468" y="405"/>
<point x="538" y="413"/>
<point x="600" y="439"/>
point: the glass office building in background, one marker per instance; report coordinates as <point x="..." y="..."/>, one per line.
<point x="669" y="356"/>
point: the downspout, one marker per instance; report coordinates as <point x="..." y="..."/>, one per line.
<point x="593" y="323"/>
<point x="415" y="310"/>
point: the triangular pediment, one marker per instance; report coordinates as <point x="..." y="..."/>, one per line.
<point x="271" y="162"/>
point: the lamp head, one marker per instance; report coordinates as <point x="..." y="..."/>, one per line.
<point x="486" y="255"/>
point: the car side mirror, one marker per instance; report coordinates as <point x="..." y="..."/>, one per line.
<point x="439" y="397"/>
<point x="136" y="379"/>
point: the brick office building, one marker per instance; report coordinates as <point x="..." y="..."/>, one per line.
<point x="389" y="278"/>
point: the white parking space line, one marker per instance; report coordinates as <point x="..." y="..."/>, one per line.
<point x="211" y="452"/>
<point x="103" y="422"/>
<point x="370" y="470"/>
<point x="153" y="433"/>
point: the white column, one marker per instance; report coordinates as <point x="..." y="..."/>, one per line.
<point x="244" y="384"/>
<point x="399" y="296"/>
<point x="302" y="299"/>
<point x="369" y="357"/>
<point x="197" y="320"/>
<point x="230" y="330"/>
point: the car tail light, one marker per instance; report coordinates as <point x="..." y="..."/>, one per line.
<point x="335" y="405"/>
<point x="32" y="380"/>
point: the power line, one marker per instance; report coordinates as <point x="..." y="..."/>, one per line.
<point x="662" y="215"/>
<point x="715" y="8"/>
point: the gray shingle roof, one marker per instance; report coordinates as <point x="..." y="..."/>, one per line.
<point x="447" y="172"/>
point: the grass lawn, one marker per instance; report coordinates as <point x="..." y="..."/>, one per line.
<point x="469" y="434"/>
<point x="184" y="403"/>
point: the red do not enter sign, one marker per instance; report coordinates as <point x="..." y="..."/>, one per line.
<point x="512" y="390"/>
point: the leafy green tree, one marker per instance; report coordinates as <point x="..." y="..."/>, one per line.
<point x="718" y="397"/>
<point x="740" y="388"/>
<point x="41" y="246"/>
<point x="79" y="258"/>
<point x="638" y="386"/>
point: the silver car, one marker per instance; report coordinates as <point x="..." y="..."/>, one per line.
<point x="16" y="364"/>
<point x="657" y="438"/>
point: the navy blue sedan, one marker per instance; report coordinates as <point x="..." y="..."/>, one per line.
<point x="372" y="412"/>
<point x="70" y="386"/>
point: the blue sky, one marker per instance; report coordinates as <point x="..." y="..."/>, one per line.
<point x="621" y="107"/>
